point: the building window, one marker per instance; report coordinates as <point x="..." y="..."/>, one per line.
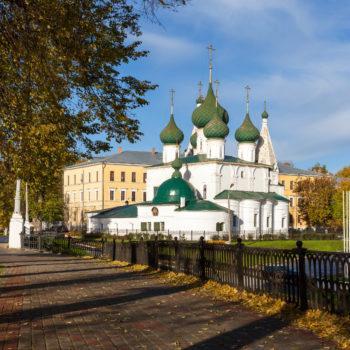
<point x="283" y="222"/>
<point x="242" y="174"/>
<point x="255" y="220"/>
<point x="75" y="179"/>
<point x="122" y="195"/>
<point x="144" y="196"/>
<point x="89" y="177"/>
<point x="111" y="195"/>
<point x="219" y="226"/>
<point x="133" y="196"/>
<point x="291" y="202"/>
<point x="205" y="192"/>
<point x="82" y="178"/>
<point x="143" y="226"/>
<point x="144" y="177"/>
<point x="133" y="176"/>
<point x="268" y="222"/>
<point x="96" y="176"/>
<point x="68" y="180"/>
<point x="111" y="176"/>
<point x="122" y="176"/>
<point x="234" y="220"/>
<point x="81" y="196"/>
<point x="291" y="185"/>
<point x="283" y="183"/>
<point x="96" y="195"/>
<point x="89" y="196"/>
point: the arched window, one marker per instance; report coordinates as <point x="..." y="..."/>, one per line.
<point x="205" y="192"/>
<point x="242" y="174"/>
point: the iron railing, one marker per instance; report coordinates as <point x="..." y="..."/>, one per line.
<point x="309" y="279"/>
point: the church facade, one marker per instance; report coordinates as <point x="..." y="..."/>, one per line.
<point x="202" y="188"/>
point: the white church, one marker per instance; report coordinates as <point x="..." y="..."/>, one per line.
<point x="203" y="190"/>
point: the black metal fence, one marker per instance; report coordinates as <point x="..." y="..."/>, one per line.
<point x="309" y="279"/>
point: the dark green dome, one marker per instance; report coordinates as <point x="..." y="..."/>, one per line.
<point x="171" y="134"/>
<point x="264" y="115"/>
<point x="216" y="129"/>
<point x="193" y="140"/>
<point x="202" y="115"/>
<point x="170" y="191"/>
<point x="247" y="132"/>
<point x="200" y="99"/>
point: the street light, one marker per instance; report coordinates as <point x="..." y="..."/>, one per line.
<point x="229" y="214"/>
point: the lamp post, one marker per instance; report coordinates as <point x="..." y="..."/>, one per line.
<point x="229" y="214"/>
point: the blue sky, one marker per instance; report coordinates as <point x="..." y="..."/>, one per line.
<point x="296" y="54"/>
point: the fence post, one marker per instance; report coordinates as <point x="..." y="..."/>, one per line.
<point x="69" y="241"/>
<point x="239" y="262"/>
<point x="114" y="249"/>
<point x="302" y="283"/>
<point x="201" y="259"/>
<point x="39" y="242"/>
<point x="156" y="252"/>
<point x="177" y="257"/>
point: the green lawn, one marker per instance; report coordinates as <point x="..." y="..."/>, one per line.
<point x="324" y="245"/>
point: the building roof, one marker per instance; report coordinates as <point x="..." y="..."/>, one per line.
<point x="241" y="195"/>
<point x="125" y="157"/>
<point x="202" y="205"/>
<point x="125" y="211"/>
<point x="201" y="158"/>
<point x="291" y="170"/>
<point x="216" y="128"/>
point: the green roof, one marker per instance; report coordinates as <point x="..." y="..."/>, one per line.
<point x="216" y="128"/>
<point x="171" y="134"/>
<point x="193" y="140"/>
<point x="126" y="211"/>
<point x="199" y="158"/>
<point x="206" y="111"/>
<point x="247" y="132"/>
<point x="202" y="205"/>
<point x="241" y="195"/>
<point x="264" y="115"/>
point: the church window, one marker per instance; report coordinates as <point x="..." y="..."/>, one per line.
<point x="221" y="152"/>
<point x="255" y="220"/>
<point x="268" y="222"/>
<point x="111" y="195"/>
<point x="143" y="226"/>
<point x="283" y="222"/>
<point x="162" y="226"/>
<point x="219" y="226"/>
<point x="111" y="176"/>
<point x="156" y="226"/>
<point x="200" y="145"/>
<point x="234" y="220"/>
<point x="205" y="192"/>
<point x="242" y="174"/>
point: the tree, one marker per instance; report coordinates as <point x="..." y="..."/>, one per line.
<point x="344" y="173"/>
<point x="316" y="200"/>
<point x="63" y="79"/>
<point x="318" y="168"/>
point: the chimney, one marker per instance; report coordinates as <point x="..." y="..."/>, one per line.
<point x="120" y="150"/>
<point x="153" y="151"/>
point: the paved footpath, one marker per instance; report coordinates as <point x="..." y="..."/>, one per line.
<point x="56" y="302"/>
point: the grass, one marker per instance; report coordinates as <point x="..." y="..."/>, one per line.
<point x="322" y="245"/>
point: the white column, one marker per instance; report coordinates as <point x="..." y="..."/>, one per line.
<point x="246" y="151"/>
<point x="16" y="222"/>
<point x="26" y="221"/>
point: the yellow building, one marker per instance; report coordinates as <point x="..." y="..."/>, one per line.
<point x="105" y="182"/>
<point x="289" y="177"/>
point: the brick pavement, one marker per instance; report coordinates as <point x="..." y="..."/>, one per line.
<point x="56" y="302"/>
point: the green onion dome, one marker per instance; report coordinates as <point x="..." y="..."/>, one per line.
<point x="264" y="115"/>
<point x="247" y="132"/>
<point x="171" y="134"/>
<point x="223" y="113"/>
<point x="171" y="190"/>
<point x="193" y="140"/>
<point x="202" y="115"/>
<point x="216" y="128"/>
<point x="200" y="99"/>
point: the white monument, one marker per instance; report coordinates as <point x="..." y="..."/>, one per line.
<point x="16" y="223"/>
<point x="27" y="224"/>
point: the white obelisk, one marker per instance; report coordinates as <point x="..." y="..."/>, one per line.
<point x="16" y="222"/>
<point x="26" y="221"/>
